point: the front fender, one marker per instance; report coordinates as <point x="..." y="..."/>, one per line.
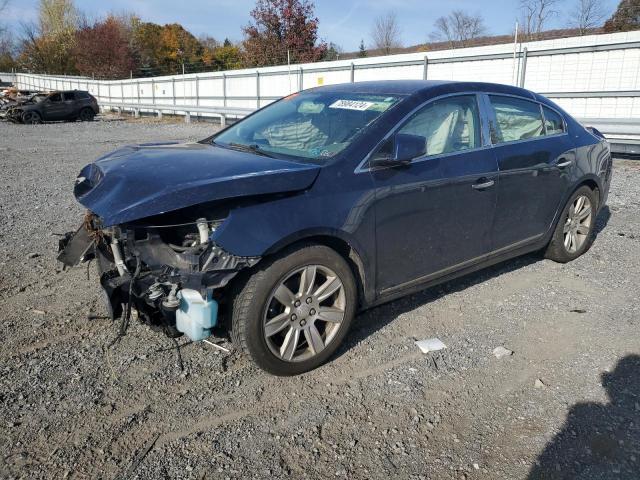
<point x="264" y="228"/>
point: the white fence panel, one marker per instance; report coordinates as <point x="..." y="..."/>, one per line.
<point x="590" y="76"/>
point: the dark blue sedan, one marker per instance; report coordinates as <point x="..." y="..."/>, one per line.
<point x="281" y="227"/>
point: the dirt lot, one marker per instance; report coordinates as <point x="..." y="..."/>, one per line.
<point x="565" y="404"/>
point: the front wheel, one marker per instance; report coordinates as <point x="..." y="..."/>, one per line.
<point x="31" y="118"/>
<point x="293" y="313"/>
<point x="574" y="232"/>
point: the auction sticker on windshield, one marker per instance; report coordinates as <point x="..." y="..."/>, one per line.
<point x="351" y="104"/>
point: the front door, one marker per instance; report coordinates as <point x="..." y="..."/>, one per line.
<point x="435" y="214"/>
<point x="54" y="107"/>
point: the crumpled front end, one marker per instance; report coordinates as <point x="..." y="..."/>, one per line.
<point x="172" y="274"/>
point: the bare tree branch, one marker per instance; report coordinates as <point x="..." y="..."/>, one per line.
<point x="587" y="14"/>
<point x="535" y="14"/>
<point x="459" y="28"/>
<point x="385" y="33"/>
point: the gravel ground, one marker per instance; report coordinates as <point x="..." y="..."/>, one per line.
<point x="567" y="401"/>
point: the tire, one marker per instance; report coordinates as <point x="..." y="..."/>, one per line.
<point x="562" y="248"/>
<point x="261" y="325"/>
<point x="31" y="118"/>
<point x="86" y="115"/>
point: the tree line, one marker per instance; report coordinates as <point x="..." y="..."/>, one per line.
<point x="461" y="28"/>
<point x="63" y="40"/>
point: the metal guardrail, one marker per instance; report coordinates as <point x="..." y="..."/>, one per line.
<point x="186" y="110"/>
<point x="623" y="134"/>
<point x="614" y="126"/>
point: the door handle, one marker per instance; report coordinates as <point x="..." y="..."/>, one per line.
<point x="483" y="185"/>
<point x="564" y="164"/>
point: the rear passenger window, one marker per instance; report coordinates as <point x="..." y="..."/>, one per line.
<point x="517" y="119"/>
<point x="448" y="125"/>
<point x="552" y="121"/>
<point x="69" y="96"/>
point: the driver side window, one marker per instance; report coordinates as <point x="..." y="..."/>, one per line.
<point x="448" y="125"/>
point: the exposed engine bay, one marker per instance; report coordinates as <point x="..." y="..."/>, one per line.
<point x="170" y="273"/>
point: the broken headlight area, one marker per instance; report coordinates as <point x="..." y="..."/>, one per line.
<point x="171" y="274"/>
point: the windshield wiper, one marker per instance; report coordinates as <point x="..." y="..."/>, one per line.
<point x="254" y="148"/>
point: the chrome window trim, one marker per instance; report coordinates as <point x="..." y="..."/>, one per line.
<point x="485" y="143"/>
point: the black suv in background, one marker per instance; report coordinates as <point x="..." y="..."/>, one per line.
<point x="66" y="105"/>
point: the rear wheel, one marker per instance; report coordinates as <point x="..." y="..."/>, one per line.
<point x="31" y="118"/>
<point x="292" y="314"/>
<point x="86" y="115"/>
<point x="574" y="233"/>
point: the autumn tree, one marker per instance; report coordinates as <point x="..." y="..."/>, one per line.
<point x="103" y="49"/>
<point x="47" y="45"/>
<point x="281" y="27"/>
<point x="225" y="56"/>
<point x="587" y="14"/>
<point x="178" y="46"/>
<point x="58" y="17"/>
<point x="385" y="33"/>
<point x="458" y="28"/>
<point x="7" y="46"/>
<point x="626" y="17"/>
<point x="146" y="46"/>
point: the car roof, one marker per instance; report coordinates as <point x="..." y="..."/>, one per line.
<point x="422" y="87"/>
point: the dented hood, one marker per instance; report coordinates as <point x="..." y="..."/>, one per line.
<point x="141" y="181"/>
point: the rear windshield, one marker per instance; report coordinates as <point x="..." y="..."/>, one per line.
<point x="313" y="126"/>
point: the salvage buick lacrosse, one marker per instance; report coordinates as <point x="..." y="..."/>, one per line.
<point x="281" y="227"/>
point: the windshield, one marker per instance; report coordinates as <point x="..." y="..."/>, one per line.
<point x="313" y="126"/>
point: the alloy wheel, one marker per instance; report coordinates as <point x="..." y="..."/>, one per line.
<point x="578" y="224"/>
<point x="304" y="313"/>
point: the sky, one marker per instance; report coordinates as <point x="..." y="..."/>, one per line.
<point x="343" y="22"/>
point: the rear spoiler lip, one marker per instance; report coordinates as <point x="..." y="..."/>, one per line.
<point x="595" y="132"/>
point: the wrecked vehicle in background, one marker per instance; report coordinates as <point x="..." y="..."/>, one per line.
<point x="332" y="200"/>
<point x="68" y="105"/>
<point x="12" y="97"/>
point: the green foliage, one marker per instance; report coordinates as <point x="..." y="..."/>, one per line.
<point x="362" y="51"/>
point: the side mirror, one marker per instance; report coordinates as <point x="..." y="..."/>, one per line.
<point x="405" y="147"/>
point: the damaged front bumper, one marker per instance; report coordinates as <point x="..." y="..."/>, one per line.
<point x="172" y="275"/>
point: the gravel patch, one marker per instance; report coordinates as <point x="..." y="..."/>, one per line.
<point x="71" y="407"/>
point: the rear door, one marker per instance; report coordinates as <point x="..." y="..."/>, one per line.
<point x="72" y="104"/>
<point x="435" y="214"/>
<point x="534" y="158"/>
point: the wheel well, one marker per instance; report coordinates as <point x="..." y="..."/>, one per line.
<point x="346" y="251"/>
<point x="593" y="186"/>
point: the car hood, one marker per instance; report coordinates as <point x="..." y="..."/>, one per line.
<point x="140" y="181"/>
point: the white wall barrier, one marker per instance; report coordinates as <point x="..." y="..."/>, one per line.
<point x="594" y="76"/>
